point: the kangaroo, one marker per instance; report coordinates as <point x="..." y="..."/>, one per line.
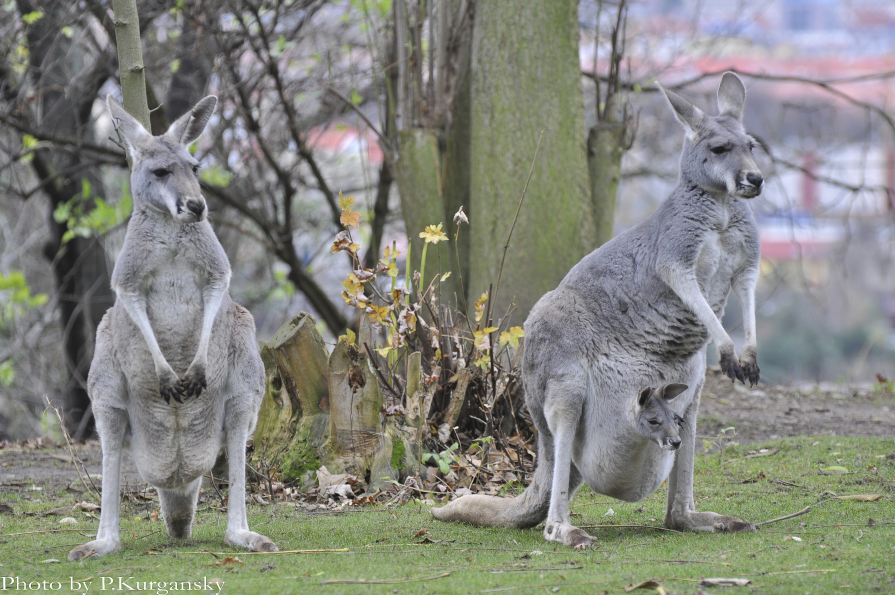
<point x="638" y="311"/>
<point x="172" y="333"/>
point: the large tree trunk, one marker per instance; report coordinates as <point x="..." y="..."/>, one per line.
<point x="525" y="79"/>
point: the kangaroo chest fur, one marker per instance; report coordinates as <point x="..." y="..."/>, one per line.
<point x="614" y="317"/>
<point x="184" y="439"/>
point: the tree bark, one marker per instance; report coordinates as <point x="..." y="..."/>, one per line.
<point x="604" y="164"/>
<point x="130" y="61"/>
<point x="328" y="411"/>
<point x="525" y="79"/>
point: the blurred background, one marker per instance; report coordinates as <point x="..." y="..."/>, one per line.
<point x="419" y="107"/>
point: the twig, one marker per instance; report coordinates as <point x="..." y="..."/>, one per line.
<point x="630" y="527"/>
<point x="805" y="510"/>
<point x="376" y="369"/>
<point x="516" y="218"/>
<point x="45" y="531"/>
<point x="75" y="460"/>
<point x="340" y="550"/>
<point x="362" y="581"/>
<point x="382" y="138"/>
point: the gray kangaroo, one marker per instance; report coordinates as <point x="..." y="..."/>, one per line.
<point x="638" y="311"/>
<point x="172" y="332"/>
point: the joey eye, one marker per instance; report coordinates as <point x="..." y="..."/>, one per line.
<point x="751" y="147"/>
<point x="161" y="172"/>
<point x="719" y="150"/>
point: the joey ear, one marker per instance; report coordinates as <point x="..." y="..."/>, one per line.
<point x="643" y="397"/>
<point x="190" y="125"/>
<point x="130" y="131"/>
<point x="731" y="96"/>
<point x="670" y="391"/>
<point x="686" y="113"/>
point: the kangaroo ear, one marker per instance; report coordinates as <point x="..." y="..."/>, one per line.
<point x="731" y="96"/>
<point x="686" y="113"/>
<point x="130" y="131"/>
<point x="190" y="125"/>
<point x="670" y="391"/>
<point x="644" y="396"/>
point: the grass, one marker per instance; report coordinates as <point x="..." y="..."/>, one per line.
<point x="838" y="551"/>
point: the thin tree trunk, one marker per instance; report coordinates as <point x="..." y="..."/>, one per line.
<point x="130" y="61"/>
<point x="604" y="161"/>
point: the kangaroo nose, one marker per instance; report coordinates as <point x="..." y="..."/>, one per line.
<point x="195" y="207"/>
<point x="674" y="443"/>
<point x="755" y="179"/>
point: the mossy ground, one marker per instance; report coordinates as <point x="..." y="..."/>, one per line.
<point x="839" y="551"/>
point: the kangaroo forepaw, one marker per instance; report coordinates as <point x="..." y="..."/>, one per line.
<point x="193" y="382"/>
<point x="167" y="387"/>
<point x="749" y="365"/>
<point x="730" y="367"/>
<point x="568" y="535"/>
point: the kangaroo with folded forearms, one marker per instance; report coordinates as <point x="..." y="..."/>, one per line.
<point x="639" y="312"/>
<point x="173" y="332"/>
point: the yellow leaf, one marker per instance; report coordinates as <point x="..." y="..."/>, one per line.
<point x="480" y="306"/>
<point x="489" y="330"/>
<point x="348" y="337"/>
<point x="345" y="201"/>
<point x="446" y="275"/>
<point x="433" y="234"/>
<point x="350" y="219"/>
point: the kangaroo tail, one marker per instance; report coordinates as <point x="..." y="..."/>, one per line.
<point x="523" y="511"/>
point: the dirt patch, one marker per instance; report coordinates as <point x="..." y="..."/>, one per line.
<point x="765" y="412"/>
<point x="770" y="411"/>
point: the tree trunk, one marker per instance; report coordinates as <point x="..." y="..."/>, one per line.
<point x="418" y="173"/>
<point x="130" y="61"/>
<point x="526" y="79"/>
<point x="604" y="164"/>
<point x="328" y="411"/>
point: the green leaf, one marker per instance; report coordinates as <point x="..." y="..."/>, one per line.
<point x="356" y="98"/>
<point x="175" y="65"/>
<point x="32" y="17"/>
<point x="68" y="31"/>
<point x="7" y="373"/>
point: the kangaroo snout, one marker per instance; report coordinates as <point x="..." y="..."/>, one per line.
<point x="750" y="184"/>
<point x="193" y="208"/>
<point x="671" y="443"/>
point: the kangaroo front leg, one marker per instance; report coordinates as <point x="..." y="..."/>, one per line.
<point x="135" y="305"/>
<point x="744" y="285"/>
<point x="236" y="425"/>
<point x="193" y="381"/>
<point x="686" y="287"/>
<point x="681" y="513"/>
<point x="111" y="425"/>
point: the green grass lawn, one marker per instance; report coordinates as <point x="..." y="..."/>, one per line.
<point x="835" y="548"/>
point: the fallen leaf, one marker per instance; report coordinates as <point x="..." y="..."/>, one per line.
<point x="153" y="516"/>
<point x="650" y="584"/>
<point x="420" y="532"/>
<point x="86" y="507"/>
<point x="834" y="470"/>
<point x="725" y="582"/>
<point x="68" y="521"/>
<point x="49" y="561"/>
<point x="610" y="512"/>
<point x="792" y="538"/>
<point x="861" y="497"/>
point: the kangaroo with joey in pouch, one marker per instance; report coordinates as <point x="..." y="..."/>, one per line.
<point x="639" y="311"/>
<point x="173" y="332"/>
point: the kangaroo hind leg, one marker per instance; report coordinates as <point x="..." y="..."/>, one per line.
<point x="563" y="409"/>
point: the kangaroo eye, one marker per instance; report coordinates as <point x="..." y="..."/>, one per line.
<point x="161" y="172"/>
<point x="719" y="150"/>
<point x="196" y="169"/>
<point x="751" y="147"/>
<point x="653" y="422"/>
